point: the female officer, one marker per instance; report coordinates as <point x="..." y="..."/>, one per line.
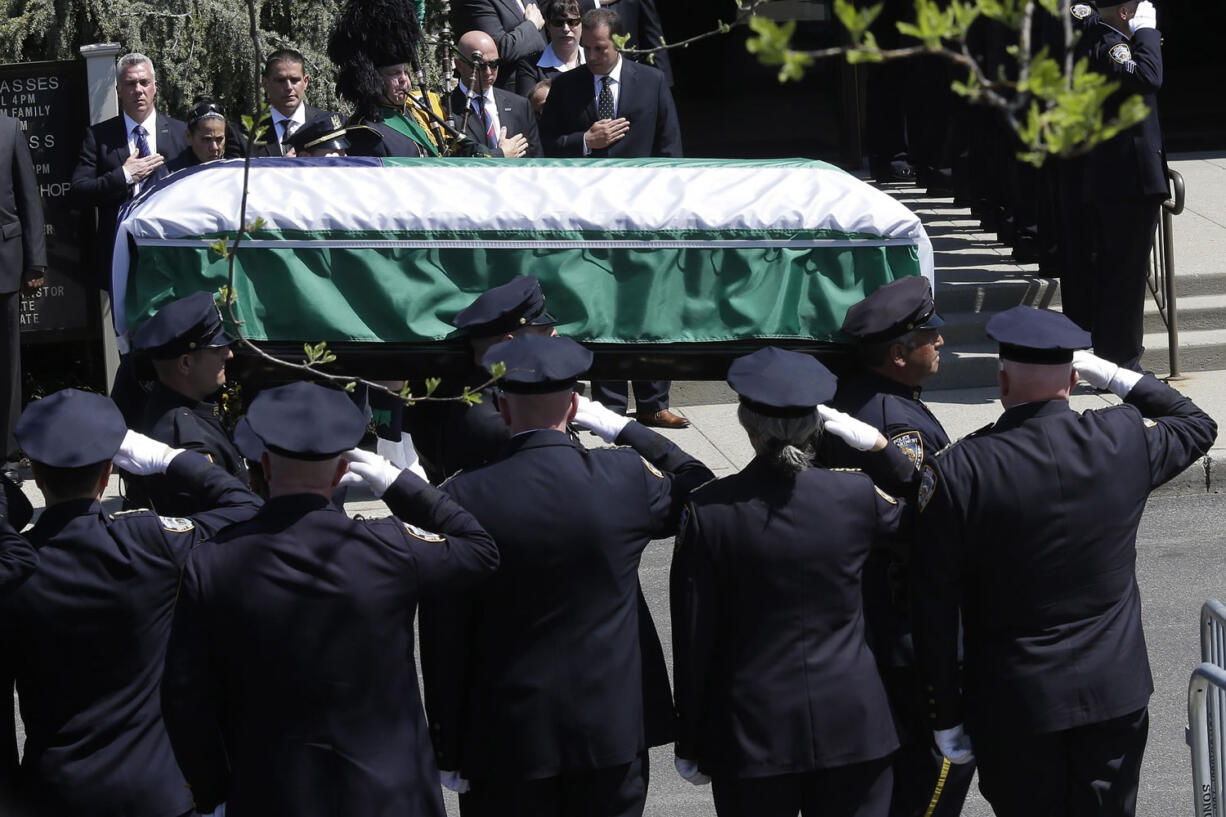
<point x="779" y="699"/>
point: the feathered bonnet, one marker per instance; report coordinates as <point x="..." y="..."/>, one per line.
<point x="370" y="34"/>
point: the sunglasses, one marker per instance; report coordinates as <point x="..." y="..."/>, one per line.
<point x="573" y="22"/>
<point x="206" y="110"/>
<point x="492" y="65"/>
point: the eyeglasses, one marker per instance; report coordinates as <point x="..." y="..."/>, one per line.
<point x="205" y="110"/>
<point x="492" y="65"/>
<point x="573" y="22"/>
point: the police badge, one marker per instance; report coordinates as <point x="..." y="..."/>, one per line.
<point x="928" y="484"/>
<point x="912" y="445"/>
<point x="1121" y="53"/>
<point x="1081" y="11"/>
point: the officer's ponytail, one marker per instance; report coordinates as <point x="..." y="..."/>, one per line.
<point x="786" y="443"/>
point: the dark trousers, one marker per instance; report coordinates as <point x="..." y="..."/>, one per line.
<point x="650" y="396"/>
<point x="1089" y="771"/>
<point x="1123" y="241"/>
<point x="856" y="790"/>
<point x="10" y="355"/>
<point x="616" y="791"/>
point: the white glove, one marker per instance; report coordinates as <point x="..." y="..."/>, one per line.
<point x="453" y="781"/>
<point x="955" y="744"/>
<point x="1103" y="374"/>
<point x="220" y="811"/>
<point x="856" y="433"/>
<point x="688" y="770"/>
<point x="1146" y="16"/>
<point x="377" y="471"/>
<point x="143" y="455"/>
<point x="403" y="454"/>
<point x="606" y="423"/>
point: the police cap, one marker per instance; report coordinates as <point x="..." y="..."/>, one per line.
<point x="247" y="441"/>
<point x="517" y="303"/>
<point x="893" y="310"/>
<point x="538" y="364"/>
<point x="1029" y="335"/>
<point x="326" y="132"/>
<point x="779" y="383"/>
<point x="182" y="326"/>
<point x="306" y="421"/>
<point x="70" y="429"/>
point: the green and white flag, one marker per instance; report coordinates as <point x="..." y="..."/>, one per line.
<point x="628" y="251"/>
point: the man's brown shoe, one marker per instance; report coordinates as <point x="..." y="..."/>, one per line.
<point x="663" y="419"/>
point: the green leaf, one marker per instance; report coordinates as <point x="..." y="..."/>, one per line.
<point x="432" y="384"/>
<point x="220" y="247"/>
<point x="620" y="40"/>
<point x="498" y="370"/>
<point x="351" y="385"/>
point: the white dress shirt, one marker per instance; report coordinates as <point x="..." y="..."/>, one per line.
<point x="491" y="110"/>
<point x="615" y="87"/>
<point x="151" y="136"/>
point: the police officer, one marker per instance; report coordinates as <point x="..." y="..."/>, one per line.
<point x="1030" y="530"/>
<point x="898" y="338"/>
<point x="290" y="682"/>
<point x="187" y="349"/>
<point x="326" y="136"/>
<point x="1126" y="180"/>
<point x="85" y="636"/>
<point x="453" y="436"/>
<point x="535" y="682"/>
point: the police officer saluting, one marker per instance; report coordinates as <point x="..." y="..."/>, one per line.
<point x="187" y="349"/>
<point x="290" y="683"/>
<point x="1030" y="532"/>
<point x="538" y="686"/>
<point x="898" y="339"/>
<point x="779" y="699"/>
<point x="85" y="636"/>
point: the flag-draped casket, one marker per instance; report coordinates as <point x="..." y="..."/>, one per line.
<point x="655" y="259"/>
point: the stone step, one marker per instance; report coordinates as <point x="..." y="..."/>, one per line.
<point x="1194" y="313"/>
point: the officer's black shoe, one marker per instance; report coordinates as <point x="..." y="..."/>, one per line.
<point x="896" y="172"/>
<point x="11" y="473"/>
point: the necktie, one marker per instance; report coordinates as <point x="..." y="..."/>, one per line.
<point x="287" y="130"/>
<point x="490" y="136"/>
<point x="604" y="105"/>
<point x="142" y="144"/>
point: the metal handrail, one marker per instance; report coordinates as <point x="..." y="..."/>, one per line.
<point x="1161" y="278"/>
<point x="1204" y="741"/>
<point x="1213" y="633"/>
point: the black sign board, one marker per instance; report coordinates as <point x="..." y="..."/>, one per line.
<point x="51" y="100"/>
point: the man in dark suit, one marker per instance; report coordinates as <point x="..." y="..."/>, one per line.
<point x="517" y="27"/>
<point x="1126" y="180"/>
<point x="290" y="682"/>
<point x="538" y="688"/>
<point x="23" y="260"/>
<point x="1030" y="529"/>
<point x="285" y="83"/>
<point x="642" y="22"/>
<point x="500" y="121"/>
<point x="124" y="154"/>
<point x="614" y="108"/>
<point x="85" y="637"/>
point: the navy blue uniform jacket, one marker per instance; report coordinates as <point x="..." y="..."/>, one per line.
<point x="290" y="685"/>
<point x="541" y="671"/>
<point x="85" y="639"/>
<point x="773" y="673"/>
<point x="1031" y="527"/>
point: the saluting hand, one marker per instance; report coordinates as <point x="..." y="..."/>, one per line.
<point x="378" y="472"/>
<point x="604" y="423"/>
<point x="1146" y="16"/>
<point x="856" y="433"/>
<point x="142" y="456"/>
<point x="1103" y="374"/>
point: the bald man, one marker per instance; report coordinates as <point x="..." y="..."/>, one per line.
<point x="500" y="122"/>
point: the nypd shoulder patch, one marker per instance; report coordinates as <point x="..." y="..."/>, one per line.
<point x="1121" y="53"/>
<point x="1081" y="10"/>
<point x="177" y="524"/>
<point x="424" y="535"/>
<point x="928" y="484"/>
<point x="912" y="444"/>
<point x="652" y="469"/>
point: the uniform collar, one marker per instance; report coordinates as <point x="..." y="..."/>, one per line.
<point x="1016" y="416"/>
<point x="54" y="519"/>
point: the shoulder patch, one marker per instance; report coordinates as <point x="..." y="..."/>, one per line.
<point x="424" y="535"/>
<point x="928" y="484"/>
<point x="912" y="444"/>
<point x="1121" y="53"/>
<point x="1081" y="11"/>
<point x="885" y="496"/>
<point x="177" y="524"/>
<point x="652" y="469"/>
<point x="1149" y="423"/>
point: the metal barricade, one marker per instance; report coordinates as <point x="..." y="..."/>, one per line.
<point x="1207" y="712"/>
<point x="1161" y="277"/>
